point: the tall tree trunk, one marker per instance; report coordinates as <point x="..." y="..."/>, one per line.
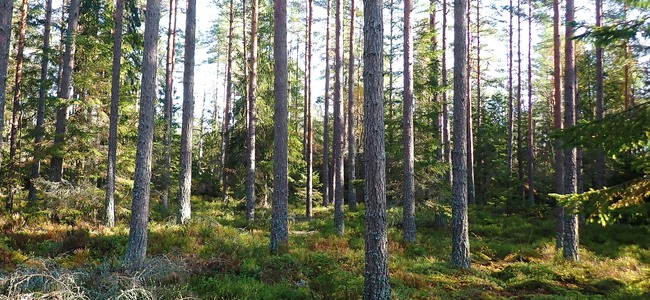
<point x="14" y="167"/>
<point x="109" y="217"/>
<point x="225" y="132"/>
<point x="59" y="74"/>
<point x="279" y="224"/>
<point x="252" y="115"/>
<point x="187" y="129"/>
<point x="460" y="239"/>
<point x="136" y="250"/>
<point x="42" y="94"/>
<point x="169" y="100"/>
<point x="570" y="239"/>
<point x="199" y="162"/>
<point x="510" y="142"/>
<point x="626" y="65"/>
<point x="471" y="191"/>
<point x="56" y="163"/>
<point x="6" y="11"/>
<point x="479" y="105"/>
<point x="446" y="132"/>
<point x="408" y="225"/>
<point x="391" y="58"/>
<point x="520" y="165"/>
<point x="531" y="150"/>
<point x="352" y="191"/>
<point x="309" y="150"/>
<point x="339" y="130"/>
<point x="435" y="79"/>
<point x="601" y="167"/>
<point x="327" y="182"/>
<point x="376" y="284"/>
<point x="557" y="122"/>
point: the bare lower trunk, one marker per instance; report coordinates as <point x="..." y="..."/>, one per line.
<point x="309" y="138"/>
<point x="601" y="167"/>
<point x="509" y="156"/>
<point x="520" y="165"/>
<point x="6" y="11"/>
<point x="225" y="132"/>
<point x="376" y="284"/>
<point x="327" y="190"/>
<point x="352" y="191"/>
<point x="64" y="95"/>
<point x="446" y="135"/>
<point x="252" y="116"/>
<point x="187" y="130"/>
<point x="531" y="151"/>
<point x="409" y="229"/>
<point x="109" y="216"/>
<point x="557" y="121"/>
<point x="279" y="224"/>
<point x="169" y="100"/>
<point x="136" y="250"/>
<point x="471" y="192"/>
<point x="339" y="130"/>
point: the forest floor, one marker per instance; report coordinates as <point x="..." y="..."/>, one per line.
<point x="65" y="254"/>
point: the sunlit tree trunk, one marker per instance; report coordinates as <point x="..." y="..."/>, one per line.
<point x="460" y="239"/>
<point x="510" y="142"/>
<point x="64" y="93"/>
<point x="308" y="151"/>
<point x="136" y="250"/>
<point x="531" y="128"/>
<point x="408" y="225"/>
<point x="109" y="217"/>
<point x="14" y="167"/>
<point x="187" y="129"/>
<point x="327" y="183"/>
<point x="279" y="224"/>
<point x="225" y="131"/>
<point x="601" y="168"/>
<point x="352" y="191"/>
<point x="252" y="115"/>
<point x="570" y="240"/>
<point x="6" y="11"/>
<point x="446" y="135"/>
<point x="339" y="130"/>
<point x="168" y="116"/>
<point x="557" y="121"/>
<point x="471" y="192"/>
<point x="376" y="284"/>
<point x="479" y="106"/>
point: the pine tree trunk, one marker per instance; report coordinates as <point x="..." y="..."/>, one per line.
<point x="570" y="240"/>
<point x="626" y="65"/>
<point x="252" y="115"/>
<point x="520" y="165"/>
<point x="510" y="142"/>
<point x="471" y="192"/>
<point x="437" y="121"/>
<point x="557" y="121"/>
<point x="531" y="149"/>
<point x="136" y="250"/>
<point x="6" y="11"/>
<point x="309" y="150"/>
<point x="479" y="107"/>
<point x="339" y="130"/>
<point x="601" y="167"/>
<point x="14" y="167"/>
<point x="279" y="224"/>
<point x="326" y="177"/>
<point x="391" y="59"/>
<point x="187" y="129"/>
<point x="460" y="238"/>
<point x="169" y="100"/>
<point x="446" y="132"/>
<point x="56" y="163"/>
<point x="225" y="132"/>
<point x="376" y="284"/>
<point x="109" y="217"/>
<point x="352" y="191"/>
<point x="409" y="229"/>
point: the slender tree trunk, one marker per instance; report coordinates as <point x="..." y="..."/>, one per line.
<point x="409" y="230"/>
<point x="252" y="115"/>
<point x="187" y="130"/>
<point x="626" y="66"/>
<point x="510" y="142"/>
<point x="601" y="167"/>
<point x="109" y="217"/>
<point x="327" y="187"/>
<point x="59" y="73"/>
<point x="309" y="150"/>
<point x="352" y="191"/>
<point x="570" y="239"/>
<point x="531" y="149"/>
<point x="557" y="121"/>
<point x="446" y="135"/>
<point x="479" y="105"/>
<point x="376" y="284"/>
<point x="391" y="58"/>
<point x="136" y="250"/>
<point x="460" y="239"/>
<point x="6" y="12"/>
<point x="520" y="165"/>
<point x="279" y="224"/>
<point x="40" y="113"/>
<point x="169" y="100"/>
<point x="56" y="163"/>
<point x="199" y="162"/>
<point x="225" y="133"/>
<point x="14" y="167"/>
<point x="471" y="191"/>
<point x="339" y="130"/>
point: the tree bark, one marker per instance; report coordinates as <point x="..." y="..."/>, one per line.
<point x="339" y="130"/>
<point x="6" y="12"/>
<point x="479" y="107"/>
<point x="225" y="132"/>
<point x="252" y="115"/>
<point x="169" y="100"/>
<point x="109" y="217"/>
<point x="471" y="191"/>
<point x="570" y="238"/>
<point x="520" y="165"/>
<point x="64" y="95"/>
<point x="531" y="149"/>
<point x="279" y="224"/>
<point x="601" y="167"/>
<point x="409" y="229"/>
<point x="327" y="187"/>
<point x="460" y="239"/>
<point x="187" y="129"/>
<point x="309" y="137"/>
<point x="352" y="191"/>
<point x="557" y="121"/>
<point x="376" y="278"/>
<point x="510" y="142"/>
<point x="446" y="132"/>
<point x="136" y="250"/>
<point x="14" y="167"/>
